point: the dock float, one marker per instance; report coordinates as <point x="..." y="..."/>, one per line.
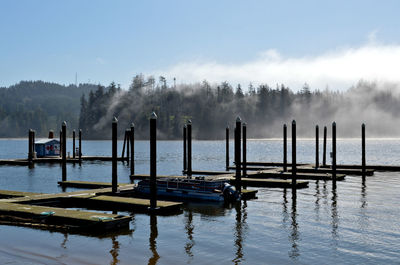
<point x="208" y="173"/>
<point x="6" y="194"/>
<point x="288" y="175"/>
<point x="345" y="171"/>
<point x="387" y="168"/>
<point x="271" y="183"/>
<point x="63" y="218"/>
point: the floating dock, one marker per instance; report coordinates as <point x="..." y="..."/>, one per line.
<point x="288" y="175"/>
<point x="271" y="183"/>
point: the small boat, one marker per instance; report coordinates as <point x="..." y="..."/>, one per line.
<point x="192" y="189"/>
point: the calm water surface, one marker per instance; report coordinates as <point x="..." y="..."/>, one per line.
<point x="356" y="223"/>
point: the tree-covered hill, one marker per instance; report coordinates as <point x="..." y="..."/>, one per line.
<point x="39" y="105"/>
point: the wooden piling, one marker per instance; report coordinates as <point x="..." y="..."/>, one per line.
<point x="153" y="161"/>
<point x="51" y="134"/>
<point x="284" y="148"/>
<point x="244" y="152"/>
<point x="227" y="148"/>
<point x="80" y="147"/>
<point x="294" y="166"/>
<point x="316" y="146"/>
<point x="64" y="151"/>
<point x="128" y="144"/>
<point x="184" y="149"/>
<point x="334" y="155"/>
<point x="132" y="141"/>
<point x="73" y="144"/>
<point x="30" y="151"/>
<point x="324" y="151"/>
<point x="238" y="182"/>
<point x="189" y="148"/>
<point x="114" y="155"/>
<point x="61" y="143"/>
<point x="123" y="147"/>
<point x="363" y="160"/>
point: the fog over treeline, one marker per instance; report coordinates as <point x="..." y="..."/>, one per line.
<point x="264" y="108"/>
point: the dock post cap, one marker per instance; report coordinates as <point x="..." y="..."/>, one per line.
<point x="189" y="122"/>
<point x="227" y="126"/>
<point x="293" y="121"/>
<point x="115" y="120"/>
<point x="316" y="126"/>
<point x="132" y="124"/>
<point x="363" y="125"/>
<point x="244" y="124"/>
<point x="284" y="125"/>
<point x="334" y="123"/>
<point x="153" y="116"/>
<point x="64" y="123"/>
<point x="184" y="126"/>
<point x="238" y="119"/>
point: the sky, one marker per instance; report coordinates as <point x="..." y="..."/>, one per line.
<point x="326" y="44"/>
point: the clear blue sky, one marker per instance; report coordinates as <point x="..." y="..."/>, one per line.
<point x="106" y="41"/>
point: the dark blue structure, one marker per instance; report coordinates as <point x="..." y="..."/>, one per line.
<point x="47" y="147"/>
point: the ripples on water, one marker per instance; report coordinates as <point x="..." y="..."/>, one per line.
<point x="356" y="223"/>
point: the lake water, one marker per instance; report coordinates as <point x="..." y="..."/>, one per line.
<point x="358" y="223"/>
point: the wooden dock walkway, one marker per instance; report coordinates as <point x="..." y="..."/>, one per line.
<point x="68" y="219"/>
<point x="288" y="175"/>
<point x="271" y="183"/>
<point x="25" y="162"/>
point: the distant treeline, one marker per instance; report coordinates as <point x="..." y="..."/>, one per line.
<point x="212" y="107"/>
<point x="39" y="105"/>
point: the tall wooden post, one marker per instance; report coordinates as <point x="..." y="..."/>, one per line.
<point x="61" y="143"/>
<point x="153" y="161"/>
<point x="316" y="146"/>
<point x="184" y="149"/>
<point x="73" y="144"/>
<point x="114" y="128"/>
<point x="334" y="155"/>
<point x="294" y="162"/>
<point x="244" y="151"/>
<point x="363" y="160"/>
<point x="238" y="177"/>
<point x="227" y="148"/>
<point x="64" y="151"/>
<point x="189" y="146"/>
<point x="132" y="140"/>
<point x="123" y="148"/>
<point x="30" y="151"/>
<point x="284" y="148"/>
<point x="33" y="144"/>
<point x="128" y="144"/>
<point x="324" y="152"/>
<point x="80" y="146"/>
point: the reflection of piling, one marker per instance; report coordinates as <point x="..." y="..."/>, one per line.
<point x="114" y="155"/>
<point x="189" y="148"/>
<point x="73" y="144"/>
<point x="153" y="161"/>
<point x="227" y="148"/>
<point x="244" y="152"/>
<point x="324" y="152"/>
<point x="238" y="181"/>
<point x="132" y="140"/>
<point x="184" y="149"/>
<point x="294" y="168"/>
<point x="284" y="148"/>
<point x="334" y="154"/>
<point x="80" y="146"/>
<point x="363" y="161"/>
<point x="64" y="151"/>
<point x="316" y="146"/>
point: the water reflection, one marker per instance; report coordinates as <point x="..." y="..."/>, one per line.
<point x="114" y="250"/>
<point x="335" y="217"/>
<point x="363" y="194"/>
<point x="189" y="231"/>
<point x="294" y="253"/>
<point x="318" y="197"/>
<point x="64" y="243"/>
<point x="285" y="208"/>
<point x="152" y="240"/>
<point x="240" y="227"/>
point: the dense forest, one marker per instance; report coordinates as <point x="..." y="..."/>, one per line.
<point x="39" y="105"/>
<point x="211" y="107"/>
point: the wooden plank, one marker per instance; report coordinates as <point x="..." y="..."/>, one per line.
<point x="12" y="194"/>
<point x="64" y="217"/>
<point x="208" y="173"/>
<point x="271" y="164"/>
<point x="84" y="184"/>
<point x="271" y="183"/>
<point x="390" y="168"/>
<point x="345" y="171"/>
<point x="248" y="194"/>
<point x="288" y="175"/>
